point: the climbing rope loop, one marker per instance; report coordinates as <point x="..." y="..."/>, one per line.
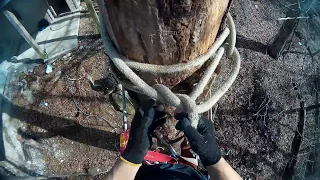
<point x="159" y="92"/>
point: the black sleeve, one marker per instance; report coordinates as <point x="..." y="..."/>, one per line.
<point x="169" y="172"/>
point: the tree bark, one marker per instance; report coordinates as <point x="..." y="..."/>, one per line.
<point x="163" y="32"/>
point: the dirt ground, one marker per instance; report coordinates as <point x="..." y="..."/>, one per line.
<point x="78" y="129"/>
<point x="80" y="138"/>
<point x="256" y="120"/>
<point x="256" y="123"/>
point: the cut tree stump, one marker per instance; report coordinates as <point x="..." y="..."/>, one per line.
<point x="163" y="32"/>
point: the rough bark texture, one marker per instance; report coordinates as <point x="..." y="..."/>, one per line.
<point x="163" y="31"/>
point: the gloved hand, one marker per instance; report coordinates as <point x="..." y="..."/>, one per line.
<point x="139" y="138"/>
<point x="202" y="140"/>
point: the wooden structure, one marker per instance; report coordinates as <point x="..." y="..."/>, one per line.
<point x="163" y="32"/>
<point x="24" y="33"/>
<point x="49" y="16"/>
<point x="72" y="4"/>
<point x="93" y="13"/>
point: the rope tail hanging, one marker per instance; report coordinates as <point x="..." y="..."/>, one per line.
<point x="161" y="93"/>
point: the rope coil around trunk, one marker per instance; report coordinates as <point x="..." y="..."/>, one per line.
<point x="161" y="93"/>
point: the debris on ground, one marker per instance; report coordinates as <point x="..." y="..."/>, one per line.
<point x="43" y="104"/>
<point x="72" y="112"/>
<point x="48" y="68"/>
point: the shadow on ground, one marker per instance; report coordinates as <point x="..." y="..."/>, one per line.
<point x="63" y="127"/>
<point x="243" y="42"/>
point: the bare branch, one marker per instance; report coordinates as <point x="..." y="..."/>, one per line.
<point x="288" y="18"/>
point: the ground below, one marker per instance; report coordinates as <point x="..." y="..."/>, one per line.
<point x="67" y="112"/>
<point x="256" y="121"/>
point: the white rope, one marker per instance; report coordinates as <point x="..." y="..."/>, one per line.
<point x="232" y="37"/>
<point x="209" y="103"/>
<point x="167" y="69"/>
<point x="197" y="91"/>
<point x="162" y="93"/>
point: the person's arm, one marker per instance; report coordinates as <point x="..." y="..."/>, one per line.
<point x="122" y="170"/>
<point x="203" y="142"/>
<point x="223" y="171"/>
<point x="132" y="157"/>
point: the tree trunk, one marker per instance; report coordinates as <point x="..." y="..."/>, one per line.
<point x="163" y="32"/>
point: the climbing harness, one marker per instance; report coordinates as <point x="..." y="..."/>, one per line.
<point x="161" y="93"/>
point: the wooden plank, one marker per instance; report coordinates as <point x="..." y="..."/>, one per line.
<point x="93" y="13"/>
<point x="70" y="5"/>
<point x="50" y="15"/>
<point x="53" y="11"/>
<point x="75" y="4"/>
<point x="24" y="33"/>
<point x="48" y="18"/>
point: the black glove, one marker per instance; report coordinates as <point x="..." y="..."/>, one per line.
<point x="202" y="140"/>
<point x="139" y="139"/>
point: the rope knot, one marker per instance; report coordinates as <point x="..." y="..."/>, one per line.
<point x="182" y="102"/>
<point x="191" y="108"/>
